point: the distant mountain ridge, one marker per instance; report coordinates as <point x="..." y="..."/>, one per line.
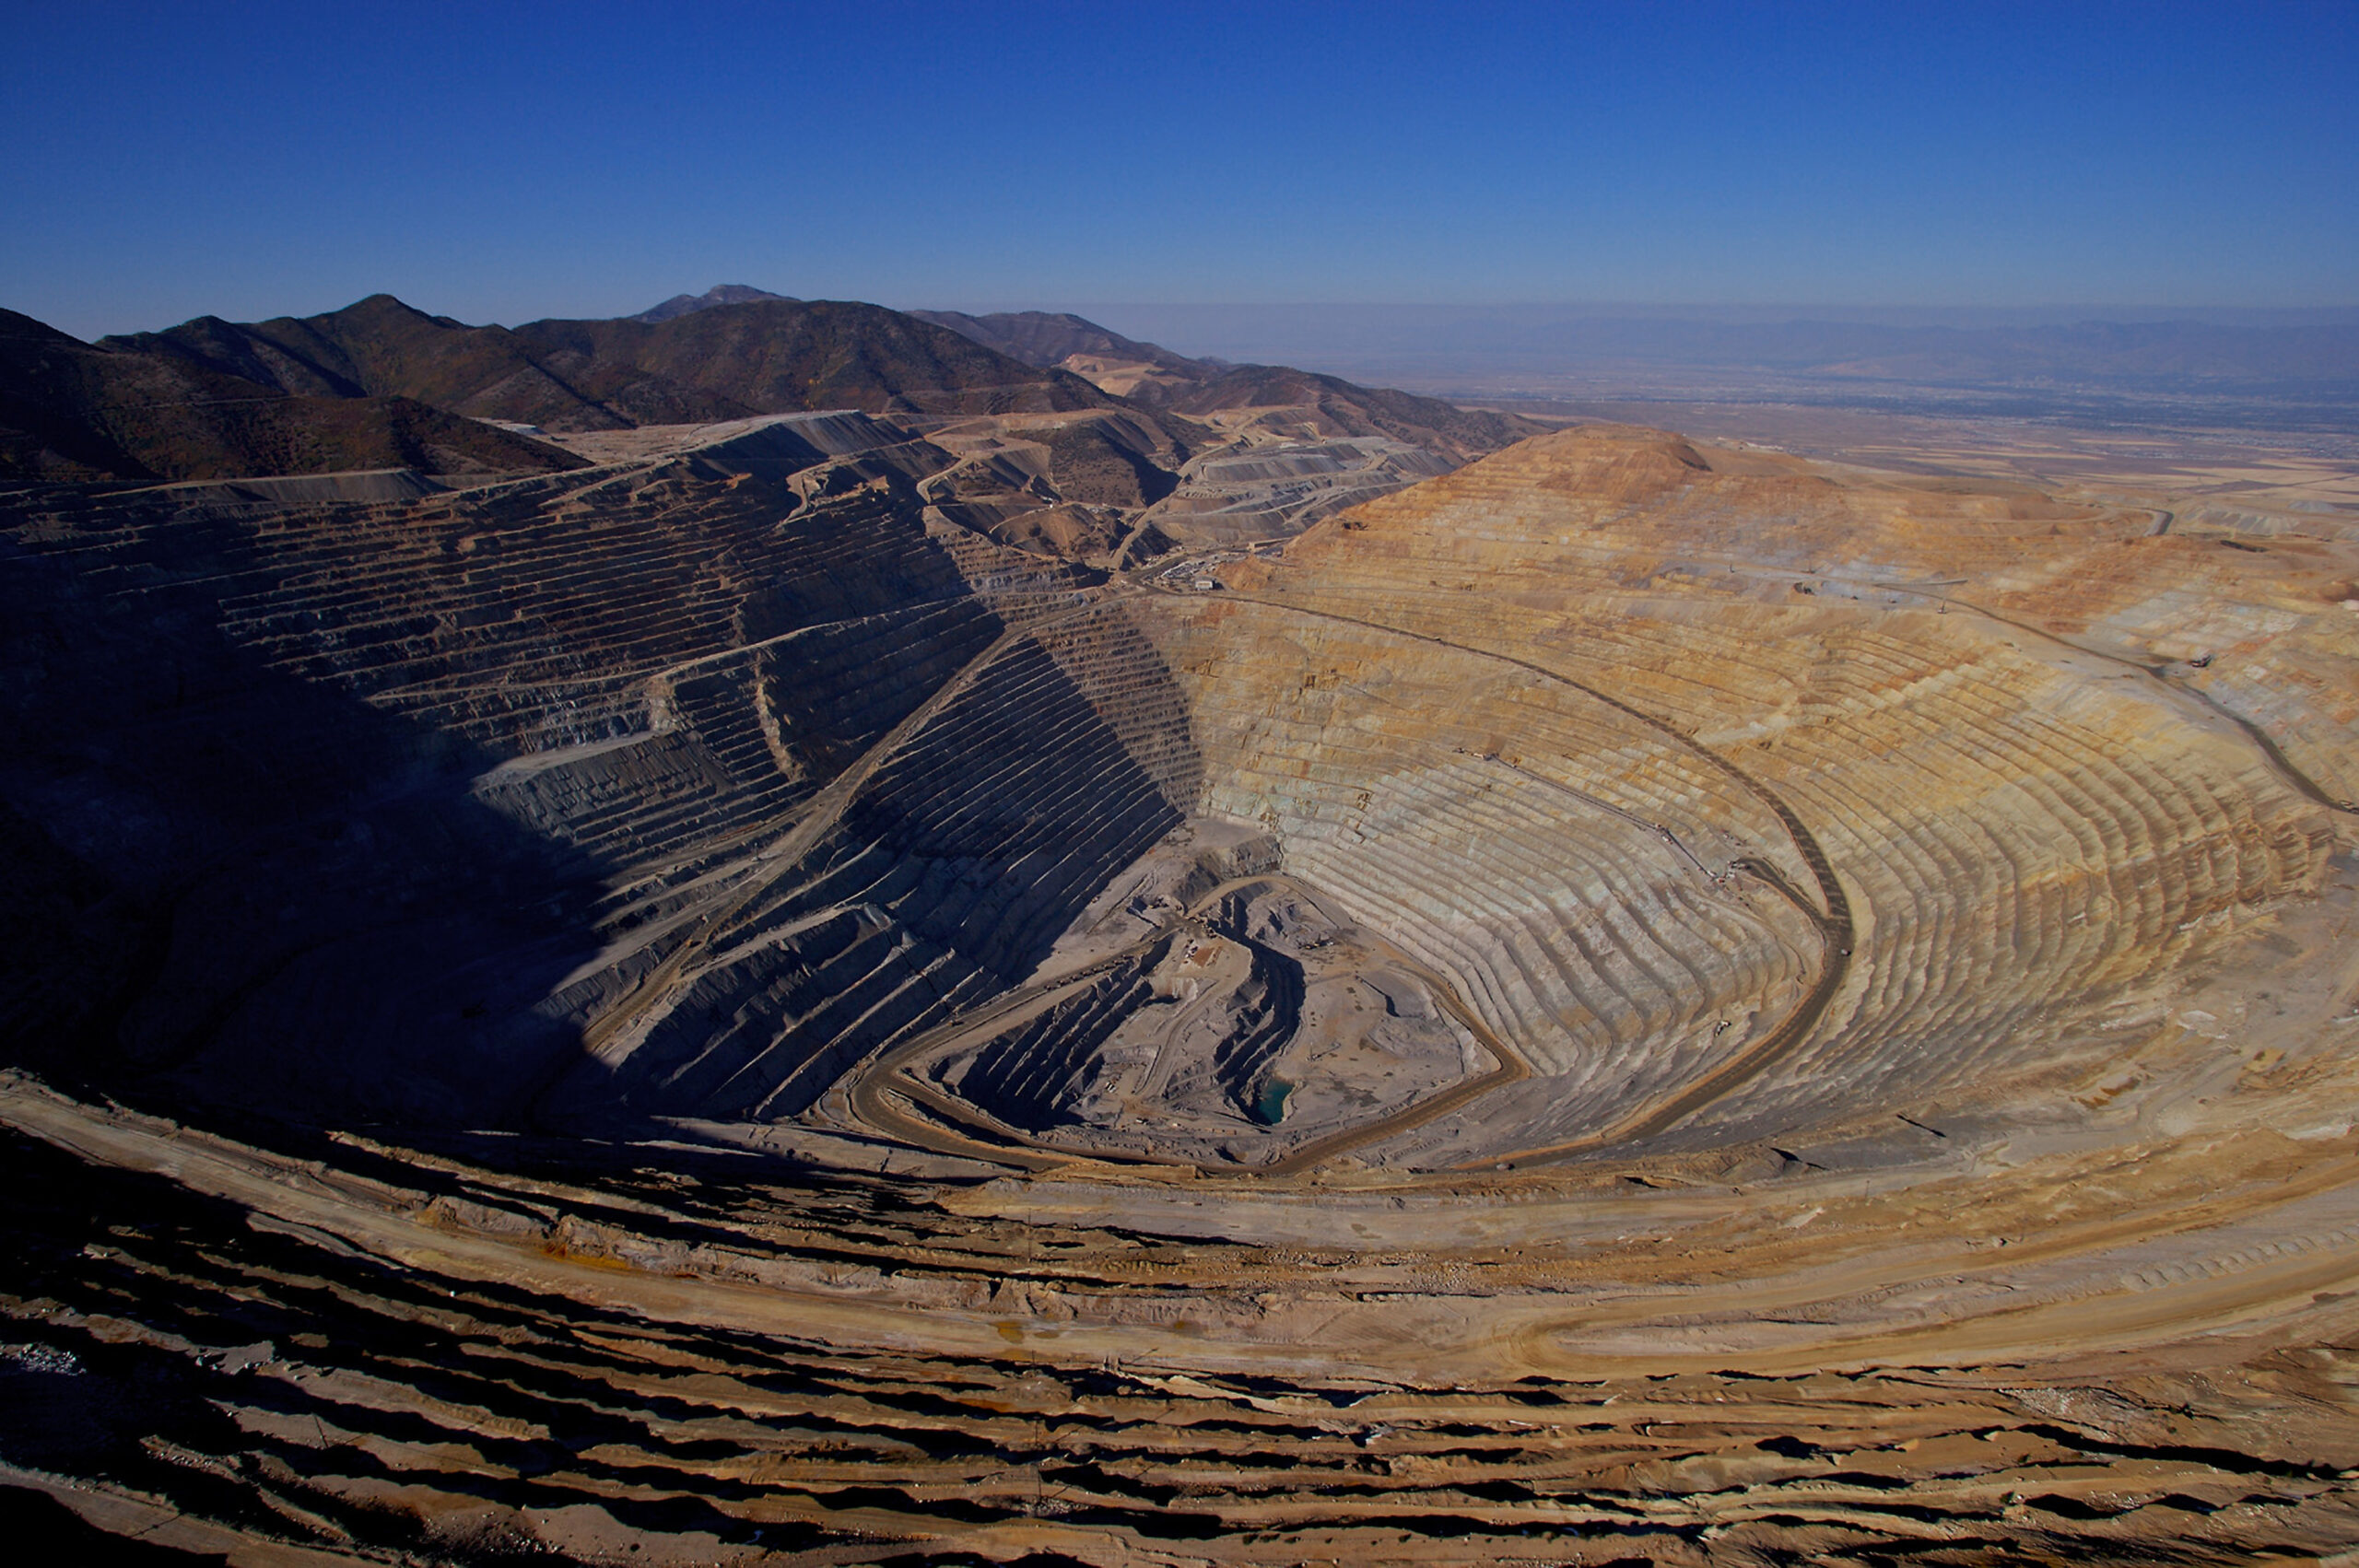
<point x="1050" y="339"/>
<point x="716" y="361"/>
<point x="74" y="411"/>
<point x="719" y="294"/>
<point x="381" y="383"/>
<point x="780" y="356"/>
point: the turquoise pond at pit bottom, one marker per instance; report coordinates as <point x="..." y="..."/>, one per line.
<point x="1270" y="1105"/>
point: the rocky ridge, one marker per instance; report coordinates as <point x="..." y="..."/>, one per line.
<point x="71" y="412"/>
<point x="1084" y="461"/>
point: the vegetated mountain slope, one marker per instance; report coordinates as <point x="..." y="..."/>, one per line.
<point x="725" y="361"/>
<point x="779" y="356"/>
<point x="380" y="347"/>
<point x="736" y="352"/>
<point x="1049" y="338"/>
<point x="1337" y="407"/>
<point x="720" y="294"/>
<point x="1146" y="373"/>
<point x="128" y="410"/>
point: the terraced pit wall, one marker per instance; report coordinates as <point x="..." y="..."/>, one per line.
<point x="1914" y="921"/>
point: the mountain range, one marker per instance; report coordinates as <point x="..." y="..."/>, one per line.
<point x="73" y="411"/>
<point x="380" y="383"/>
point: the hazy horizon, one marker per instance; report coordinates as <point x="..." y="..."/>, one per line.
<point x="1112" y="312"/>
<point x="1150" y="315"/>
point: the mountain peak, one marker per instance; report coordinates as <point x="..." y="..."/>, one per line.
<point x="719" y="294"/>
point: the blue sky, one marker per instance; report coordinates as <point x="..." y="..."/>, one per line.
<point x="503" y="163"/>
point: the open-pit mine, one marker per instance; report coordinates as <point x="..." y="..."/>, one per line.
<point x="979" y="984"/>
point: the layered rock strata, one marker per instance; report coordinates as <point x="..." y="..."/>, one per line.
<point x="1636" y="1001"/>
